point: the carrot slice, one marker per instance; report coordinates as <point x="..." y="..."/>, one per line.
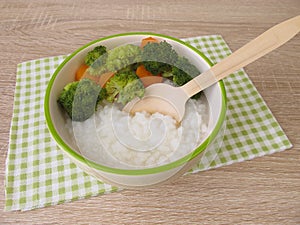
<point x="147" y="81"/>
<point x="104" y="78"/>
<point x="148" y="40"/>
<point x="91" y="77"/>
<point x="80" y="72"/>
<point x="101" y="80"/>
<point x="147" y="77"/>
<point x="142" y="72"/>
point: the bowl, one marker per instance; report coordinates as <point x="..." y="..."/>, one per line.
<point x="133" y="177"/>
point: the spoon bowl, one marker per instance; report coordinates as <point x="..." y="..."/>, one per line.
<point x="171" y="101"/>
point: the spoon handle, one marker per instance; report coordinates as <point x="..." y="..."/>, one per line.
<point x="258" y="47"/>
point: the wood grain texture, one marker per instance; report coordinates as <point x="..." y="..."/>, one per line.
<point x="261" y="191"/>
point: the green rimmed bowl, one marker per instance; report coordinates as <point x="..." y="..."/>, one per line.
<point x="133" y="178"/>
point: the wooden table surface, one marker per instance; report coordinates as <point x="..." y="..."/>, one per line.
<point x="265" y="190"/>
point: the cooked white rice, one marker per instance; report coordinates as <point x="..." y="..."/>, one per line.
<point x="113" y="138"/>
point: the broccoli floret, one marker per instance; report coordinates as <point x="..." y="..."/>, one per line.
<point x="115" y="85"/>
<point x="125" y="57"/>
<point x="159" y="57"/>
<point x="93" y="55"/>
<point x="102" y="95"/>
<point x="80" y="98"/>
<point x="66" y="97"/>
<point x="183" y="71"/>
<point x="129" y="68"/>
<point x="123" y="87"/>
<point x="122" y="57"/>
<point x="134" y="88"/>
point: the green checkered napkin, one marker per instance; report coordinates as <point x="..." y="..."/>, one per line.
<point x="38" y="174"/>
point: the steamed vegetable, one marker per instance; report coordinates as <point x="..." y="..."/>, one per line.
<point x="121" y="74"/>
<point x="122" y="57"/>
<point x="146" y="77"/>
<point x="94" y="58"/>
<point x="159" y="57"/>
<point x="104" y="78"/>
<point x="147" y="81"/>
<point x="93" y="55"/>
<point x="142" y="72"/>
<point x="80" y="72"/>
<point x="183" y="71"/>
<point x="123" y="87"/>
<point x="80" y="98"/>
<point x="134" y="88"/>
<point x="147" y="40"/>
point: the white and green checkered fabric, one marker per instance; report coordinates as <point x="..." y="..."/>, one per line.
<point x="251" y="129"/>
<point x="38" y="174"/>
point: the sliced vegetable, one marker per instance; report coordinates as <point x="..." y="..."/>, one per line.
<point x="147" y="40"/>
<point x="91" y="77"/>
<point x="142" y="72"/>
<point x="147" y="81"/>
<point x="80" y="72"/>
<point x="104" y="78"/>
<point x="147" y="77"/>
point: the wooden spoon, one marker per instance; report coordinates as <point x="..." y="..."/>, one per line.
<point x="171" y="100"/>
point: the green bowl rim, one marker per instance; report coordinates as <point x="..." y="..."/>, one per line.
<point x="146" y="171"/>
